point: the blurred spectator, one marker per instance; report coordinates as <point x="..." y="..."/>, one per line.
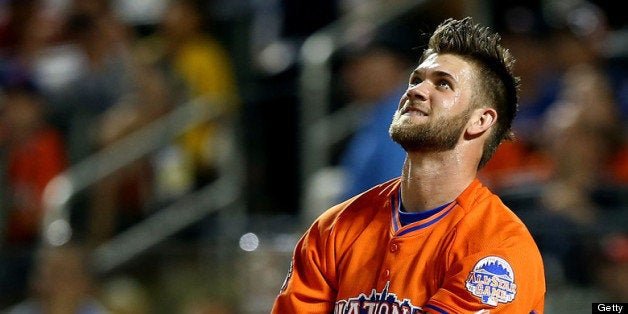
<point x="580" y="35"/>
<point x="89" y="75"/>
<point x="563" y="174"/>
<point x="25" y="28"/>
<point x="31" y="150"/>
<point x="126" y="196"/>
<point x="98" y="72"/>
<point x="198" y="67"/>
<point x="584" y="35"/>
<point x="61" y="282"/>
<point x="35" y="154"/>
<point x="540" y="77"/>
<point x="583" y="134"/>
<point x="521" y="161"/>
<point x="374" y="74"/>
<point x="575" y="36"/>
<point x="580" y="136"/>
<point x="526" y="35"/>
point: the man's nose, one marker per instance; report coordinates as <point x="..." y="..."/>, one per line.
<point x="418" y="92"/>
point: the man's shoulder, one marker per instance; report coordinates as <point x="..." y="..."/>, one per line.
<point x="485" y="210"/>
<point x="477" y="199"/>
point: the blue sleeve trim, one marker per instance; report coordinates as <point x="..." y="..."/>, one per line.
<point x="436" y="308"/>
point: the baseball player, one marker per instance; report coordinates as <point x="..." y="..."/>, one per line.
<point x="434" y="240"/>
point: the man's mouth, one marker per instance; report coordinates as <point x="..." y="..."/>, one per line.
<point x="410" y="110"/>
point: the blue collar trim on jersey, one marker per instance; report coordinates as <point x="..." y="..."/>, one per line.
<point x="426" y="224"/>
<point x="406" y="218"/>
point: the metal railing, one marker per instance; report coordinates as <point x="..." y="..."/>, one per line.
<point x="56" y="229"/>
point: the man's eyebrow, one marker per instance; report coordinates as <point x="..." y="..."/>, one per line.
<point x="420" y="72"/>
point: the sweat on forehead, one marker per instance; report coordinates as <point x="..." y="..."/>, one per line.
<point x="446" y="66"/>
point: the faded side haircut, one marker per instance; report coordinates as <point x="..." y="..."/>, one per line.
<point x="497" y="86"/>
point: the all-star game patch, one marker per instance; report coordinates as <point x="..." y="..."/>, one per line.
<point x="492" y="280"/>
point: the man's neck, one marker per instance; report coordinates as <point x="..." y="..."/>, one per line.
<point x="430" y="180"/>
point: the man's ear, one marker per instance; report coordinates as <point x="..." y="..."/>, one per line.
<point x="481" y="120"/>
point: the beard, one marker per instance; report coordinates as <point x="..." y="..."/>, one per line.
<point x="437" y="135"/>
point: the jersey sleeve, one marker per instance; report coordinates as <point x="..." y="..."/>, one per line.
<point x="505" y="276"/>
<point x="308" y="284"/>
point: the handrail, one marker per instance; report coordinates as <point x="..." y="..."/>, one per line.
<point x="166" y="222"/>
<point x="316" y="53"/>
<point x="56" y="229"/>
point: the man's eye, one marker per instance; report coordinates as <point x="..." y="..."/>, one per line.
<point x="444" y="83"/>
<point x="414" y="82"/>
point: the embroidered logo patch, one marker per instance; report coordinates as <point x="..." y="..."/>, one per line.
<point x="492" y="280"/>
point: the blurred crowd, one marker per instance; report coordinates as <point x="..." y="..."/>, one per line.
<point x="75" y="79"/>
<point x="76" y="76"/>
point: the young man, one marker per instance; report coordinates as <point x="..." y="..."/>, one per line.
<point x="434" y="240"/>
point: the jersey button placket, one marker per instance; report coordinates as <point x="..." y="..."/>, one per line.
<point x="394" y="247"/>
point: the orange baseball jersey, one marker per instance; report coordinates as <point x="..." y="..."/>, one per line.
<point x="472" y="256"/>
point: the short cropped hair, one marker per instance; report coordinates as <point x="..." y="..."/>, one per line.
<point x="498" y="88"/>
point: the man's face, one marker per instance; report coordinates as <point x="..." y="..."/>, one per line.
<point x="434" y="111"/>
